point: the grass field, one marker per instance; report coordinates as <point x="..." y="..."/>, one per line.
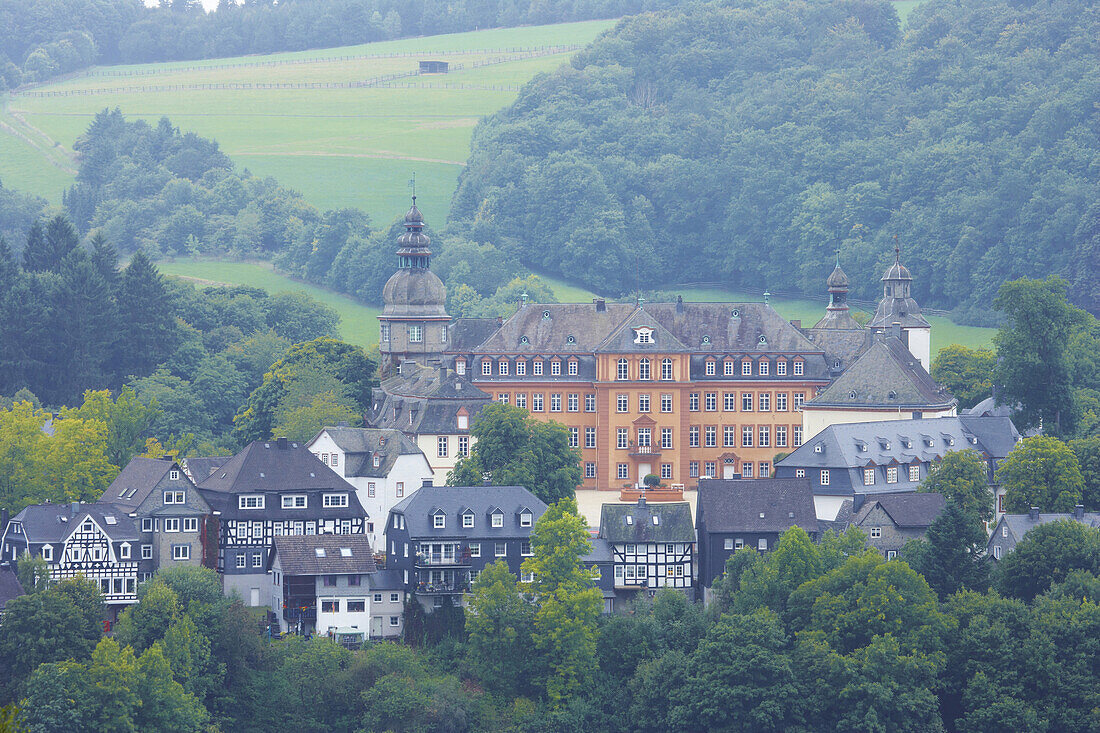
<point x="358" y="322"/>
<point x="339" y="146"/>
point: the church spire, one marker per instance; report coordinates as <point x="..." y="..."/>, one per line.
<point x="837" y="316"/>
<point x="412" y="246"/>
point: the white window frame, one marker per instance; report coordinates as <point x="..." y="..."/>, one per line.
<point x="250" y="501"/>
<point x="171" y="524"/>
<point x="181" y="553"/>
<point x="526" y="519"/>
<point x="439" y="521"/>
<point x="496" y="519"/>
<point x="467" y="520"/>
<point x="190" y="524"/>
<point x="824" y="477"/>
<point x="294" y="501"/>
<point x="334" y="501"/>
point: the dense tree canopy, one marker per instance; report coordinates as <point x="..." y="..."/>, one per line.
<point x="743" y="142"/>
<point x="1041" y="472"/>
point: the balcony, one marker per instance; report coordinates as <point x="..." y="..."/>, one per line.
<point x="436" y="560"/>
<point x="644" y="451"/>
<point x="436" y="589"/>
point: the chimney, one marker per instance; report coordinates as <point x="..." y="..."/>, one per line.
<point x="500" y="320"/>
<point x="427" y="483"/>
<point x="679" y="304"/>
<point x="281" y="442"/>
<point x="797" y="323"/>
<point x="1079" y="512"/>
<point x="3" y="520"/>
<point x="641" y="500"/>
<point x="1033" y="514"/>
<point x="74" y="508"/>
<point x="442" y="371"/>
<point x="895" y="330"/>
<point x="601" y="304"/>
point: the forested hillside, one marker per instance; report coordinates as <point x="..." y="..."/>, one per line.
<point x="43" y="38"/>
<point x="746" y="141"/>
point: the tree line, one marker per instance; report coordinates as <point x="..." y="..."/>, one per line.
<point x="40" y="39"/>
<point x="744" y="142"/>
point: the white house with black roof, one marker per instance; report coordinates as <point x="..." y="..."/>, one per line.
<point x="269" y="489"/>
<point x="96" y="541"/>
<point x="177" y="527"/>
<point x="442" y="537"/>
<point x="329" y="584"/>
<point x="890" y="457"/>
<point x="652" y="546"/>
<point x="733" y="514"/>
<point x="384" y="466"/>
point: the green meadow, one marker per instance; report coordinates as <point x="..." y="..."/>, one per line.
<point x="358" y="322"/>
<point x="340" y="146"/>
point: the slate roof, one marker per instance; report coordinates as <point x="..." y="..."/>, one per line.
<point x="10" y="586"/>
<point x="466" y="334"/>
<point x="55" y="522"/>
<point x="388" y="579"/>
<point x="136" y="481"/>
<point x="425" y="400"/>
<point x="1021" y="524"/>
<point x="736" y="505"/>
<point x="600" y="552"/>
<point x="200" y="468"/>
<point x="910" y="510"/>
<point x="342" y="554"/>
<point x="454" y="500"/>
<point x="885" y="375"/>
<point x="857" y="445"/>
<point x="674" y="522"/>
<point x="840" y="344"/>
<point x="680" y="327"/>
<point x="272" y="466"/>
<point x="360" y="445"/>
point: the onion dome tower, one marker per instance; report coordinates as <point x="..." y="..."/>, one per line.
<point x="898" y="311"/>
<point x="837" y="315"/>
<point x="414" y="320"/>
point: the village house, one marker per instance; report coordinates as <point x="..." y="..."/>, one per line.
<point x="652" y="546"/>
<point x="1011" y="528"/>
<point x="890" y="520"/>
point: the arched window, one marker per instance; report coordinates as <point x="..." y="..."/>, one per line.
<point x="666" y="369"/>
<point x="643" y="369"/>
<point x="624" y="370"/>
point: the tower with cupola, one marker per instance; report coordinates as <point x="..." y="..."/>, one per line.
<point x="899" y="313"/>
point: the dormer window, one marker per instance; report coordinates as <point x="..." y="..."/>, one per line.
<point x="572" y="368"/>
<point x="334" y="501"/>
<point x="467" y="520"/>
<point x="294" y="501"/>
<point x="711" y="367"/>
<point x="463" y="422"/>
<point x="643" y="335"/>
<point x="525" y="519"/>
<point x="570" y="339"/>
<point x="502" y="367"/>
<point x="546" y="314"/>
<point x="460" y="367"/>
<point x="706" y="339"/>
<point x="746" y="368"/>
<point x="376" y="461"/>
<point x="818" y="448"/>
<point x="47" y="553"/>
<point x="497" y="519"/>
<point x="439" y="521"/>
<point x="486" y="368"/>
<point x="250" y="501"/>
<point x="124" y="551"/>
<point x="852" y="395"/>
<point x="762" y="339"/>
<point x="524" y="340"/>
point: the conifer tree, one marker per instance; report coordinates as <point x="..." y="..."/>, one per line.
<point x="146" y="320"/>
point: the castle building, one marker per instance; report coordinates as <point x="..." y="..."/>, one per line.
<point x="679" y="390"/>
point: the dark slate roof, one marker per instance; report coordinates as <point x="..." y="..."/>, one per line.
<point x="466" y="334"/>
<point x="55" y="522"/>
<point x="844" y="345"/>
<point x="1021" y="524"/>
<point x="911" y="510"/>
<point x="388" y="579"/>
<point x="342" y="554"/>
<point x="997" y="435"/>
<point x="274" y="466"/>
<point x="136" y="481"/>
<point x="885" y="375"/>
<point x="735" y="505"/>
<point x="482" y="500"/>
<point x="360" y="445"/>
<point x="840" y="522"/>
<point x="600" y="552"/>
<point x="726" y="326"/>
<point x="9" y="586"/>
<point x="634" y="522"/>
<point x="200" y="468"/>
<point x="425" y="399"/>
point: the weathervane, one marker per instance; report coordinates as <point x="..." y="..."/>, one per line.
<point x="412" y="185"/>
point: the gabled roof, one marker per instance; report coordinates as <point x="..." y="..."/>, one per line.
<point x="1021" y="524"/>
<point x="10" y="587"/>
<point x="622" y="338"/>
<point x="634" y="522"/>
<point x="736" y="505"/>
<point x="910" y="510"/>
<point x="325" y="554"/>
<point x="886" y="375"/>
<point x="695" y="327"/>
<point x="454" y="500"/>
<point x="137" y="480"/>
<point x="274" y="465"/>
<point x="600" y="552"/>
<point x="199" y="468"/>
<point x="55" y="522"/>
<point x="361" y="444"/>
<point x="425" y="400"/>
<point x="903" y="442"/>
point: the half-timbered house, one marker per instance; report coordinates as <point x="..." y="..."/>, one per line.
<point x="652" y="545"/>
<point x="273" y="488"/>
<point x="96" y="541"/>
